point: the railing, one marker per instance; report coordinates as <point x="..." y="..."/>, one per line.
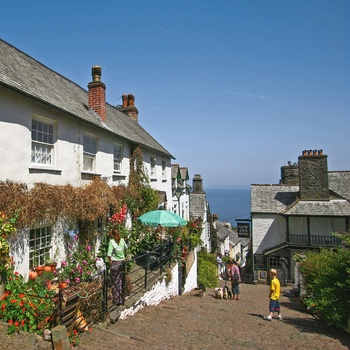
<point x="90" y="301"/>
<point x="315" y="240"/>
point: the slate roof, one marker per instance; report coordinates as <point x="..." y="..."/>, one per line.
<point x="283" y="199"/>
<point x="22" y="73"/>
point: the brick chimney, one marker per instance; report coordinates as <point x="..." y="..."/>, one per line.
<point x="97" y="93"/>
<point x="313" y="176"/>
<point x="129" y="108"/>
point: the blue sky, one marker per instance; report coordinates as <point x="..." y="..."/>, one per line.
<point x="233" y="89"/>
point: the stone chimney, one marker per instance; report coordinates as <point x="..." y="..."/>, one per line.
<point x="97" y="93"/>
<point x="313" y="176"/>
<point x="129" y="108"/>
<point x="215" y="217"/>
<point x="290" y="174"/>
<point x="197" y="184"/>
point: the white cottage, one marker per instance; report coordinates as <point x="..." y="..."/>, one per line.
<point x="300" y="213"/>
<point x="56" y="132"/>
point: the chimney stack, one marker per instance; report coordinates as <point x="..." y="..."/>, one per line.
<point x="97" y="93"/>
<point x="313" y="176"/>
<point x="129" y="108"/>
<point x="197" y="184"/>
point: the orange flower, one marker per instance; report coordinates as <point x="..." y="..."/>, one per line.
<point x="22" y="323"/>
<point x="3" y="306"/>
<point x="10" y="322"/>
<point x="21" y="296"/>
<point x="13" y="301"/>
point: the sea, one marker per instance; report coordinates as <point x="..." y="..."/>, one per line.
<point x="229" y="203"/>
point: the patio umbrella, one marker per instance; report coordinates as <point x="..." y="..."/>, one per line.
<point x="162" y="217"/>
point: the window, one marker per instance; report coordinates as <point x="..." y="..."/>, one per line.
<point x="39" y="245"/>
<point x="42" y="142"/>
<point x="163" y="169"/>
<point x="117" y="158"/>
<point x="89" y="147"/>
<point x="153" y="167"/>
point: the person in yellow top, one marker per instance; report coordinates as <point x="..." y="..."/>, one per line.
<point x="275" y="292"/>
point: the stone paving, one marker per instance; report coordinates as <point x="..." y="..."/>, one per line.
<point x="193" y="322"/>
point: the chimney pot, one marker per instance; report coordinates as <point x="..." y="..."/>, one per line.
<point x="320" y="152"/>
<point x="314" y="152"/>
<point x="310" y="152"/>
<point x="125" y="101"/>
<point x="96" y="73"/>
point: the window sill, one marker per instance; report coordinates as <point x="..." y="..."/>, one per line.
<point x="118" y="177"/>
<point x="89" y="176"/>
<point x="38" y="170"/>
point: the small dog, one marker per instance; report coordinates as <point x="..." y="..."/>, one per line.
<point x="202" y="290"/>
<point x="225" y="292"/>
<point x="219" y="293"/>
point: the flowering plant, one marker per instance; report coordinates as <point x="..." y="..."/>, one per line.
<point x="80" y="263"/>
<point x="7" y="226"/>
<point x="117" y="220"/>
<point x="26" y="306"/>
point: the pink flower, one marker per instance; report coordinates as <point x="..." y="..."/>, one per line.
<point x="77" y="279"/>
<point x="88" y="248"/>
<point x="85" y="262"/>
<point x="64" y="263"/>
<point x="75" y="238"/>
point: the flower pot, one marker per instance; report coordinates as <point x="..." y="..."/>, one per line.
<point x="33" y="275"/>
<point x="53" y="266"/>
<point x="39" y="270"/>
<point x="47" y="268"/>
<point x="62" y="285"/>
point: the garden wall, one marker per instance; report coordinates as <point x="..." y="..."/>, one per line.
<point x="162" y="290"/>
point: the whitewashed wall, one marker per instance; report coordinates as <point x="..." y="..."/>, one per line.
<point x="268" y="231"/>
<point x="162" y="291"/>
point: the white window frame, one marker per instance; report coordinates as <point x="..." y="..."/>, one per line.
<point x="118" y="152"/>
<point x="43" y="140"/>
<point x="89" y="153"/>
<point x="40" y="245"/>
<point x="153" y="167"/>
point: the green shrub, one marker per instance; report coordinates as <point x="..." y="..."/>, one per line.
<point x="326" y="276"/>
<point x="207" y="269"/>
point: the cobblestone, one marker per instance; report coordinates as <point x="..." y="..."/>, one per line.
<point x="191" y="322"/>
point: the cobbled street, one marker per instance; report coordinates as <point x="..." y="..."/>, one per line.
<point x="194" y="322"/>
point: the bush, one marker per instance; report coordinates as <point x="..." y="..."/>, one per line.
<point x="207" y="269"/>
<point x="326" y="276"/>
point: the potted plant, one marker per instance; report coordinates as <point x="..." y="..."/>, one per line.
<point x="45" y="279"/>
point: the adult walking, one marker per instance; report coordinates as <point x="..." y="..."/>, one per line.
<point x="235" y="280"/>
<point x="116" y="255"/>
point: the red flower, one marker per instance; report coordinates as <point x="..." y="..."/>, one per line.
<point x="16" y="323"/>
<point x="10" y="322"/>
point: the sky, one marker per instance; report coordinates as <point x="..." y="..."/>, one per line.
<point x="233" y="89"/>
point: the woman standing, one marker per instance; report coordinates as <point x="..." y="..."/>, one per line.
<point x="116" y="256"/>
<point x="235" y="280"/>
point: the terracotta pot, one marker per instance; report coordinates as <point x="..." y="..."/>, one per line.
<point x="39" y="270"/>
<point x="53" y="266"/>
<point x="33" y="275"/>
<point x="47" y="268"/>
<point x="62" y="285"/>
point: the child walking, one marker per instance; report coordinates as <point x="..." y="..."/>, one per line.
<point x="275" y="292"/>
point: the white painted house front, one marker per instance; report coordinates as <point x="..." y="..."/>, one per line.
<point x="56" y="132"/>
<point x="300" y="213"/>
